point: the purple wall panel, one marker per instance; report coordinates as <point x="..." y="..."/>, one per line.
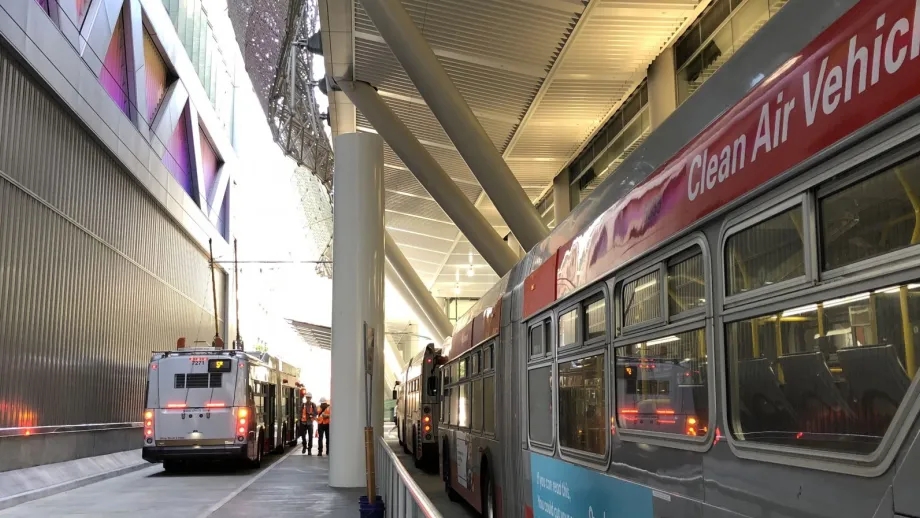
<point x="178" y="158"/>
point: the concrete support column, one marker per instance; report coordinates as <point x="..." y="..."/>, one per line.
<point x="457" y="119"/>
<point x="662" y="87"/>
<point x="562" y="198"/>
<point x="403" y="276"/>
<point x="430" y="174"/>
<point x="357" y="299"/>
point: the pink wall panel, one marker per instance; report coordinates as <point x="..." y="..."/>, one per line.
<point x="114" y="74"/>
<point x="157" y="76"/>
<point x="178" y="158"/>
<point x="209" y="163"/>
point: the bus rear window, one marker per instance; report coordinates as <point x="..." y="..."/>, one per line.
<point x="198" y="380"/>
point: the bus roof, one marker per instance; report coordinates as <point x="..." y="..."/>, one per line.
<point x="262" y="358"/>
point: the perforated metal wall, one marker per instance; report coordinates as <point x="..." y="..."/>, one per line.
<point x="93" y="275"/>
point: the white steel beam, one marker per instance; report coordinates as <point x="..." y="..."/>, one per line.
<point x="458" y="207"/>
<point x="457" y="119"/>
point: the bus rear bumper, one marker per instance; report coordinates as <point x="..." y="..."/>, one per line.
<point x="211" y="452"/>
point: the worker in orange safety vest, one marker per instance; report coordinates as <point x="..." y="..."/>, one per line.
<point x="307" y="415"/>
<point x="325" y="413"/>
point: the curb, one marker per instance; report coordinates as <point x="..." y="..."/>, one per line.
<point x="35" y="494"/>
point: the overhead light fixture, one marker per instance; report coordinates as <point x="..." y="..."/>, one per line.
<point x="457" y="289"/>
<point x="470" y="272"/>
<point x="665" y="340"/>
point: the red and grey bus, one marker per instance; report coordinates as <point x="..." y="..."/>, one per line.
<point x="729" y="324"/>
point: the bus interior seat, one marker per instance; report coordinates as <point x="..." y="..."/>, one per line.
<point x="762" y="396"/>
<point x="825" y="344"/>
<point x="808" y="380"/>
<point x="874" y="370"/>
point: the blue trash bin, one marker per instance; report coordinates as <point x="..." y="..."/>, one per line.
<point x="372" y="510"/>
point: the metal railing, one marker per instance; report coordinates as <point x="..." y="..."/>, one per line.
<point x="401" y="495"/>
<point x="67" y="428"/>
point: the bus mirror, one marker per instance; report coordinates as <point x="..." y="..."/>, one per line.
<point x="394" y="393"/>
<point x="432" y="385"/>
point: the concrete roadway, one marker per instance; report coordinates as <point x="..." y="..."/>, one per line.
<point x="286" y="486"/>
<point x="289" y="485"/>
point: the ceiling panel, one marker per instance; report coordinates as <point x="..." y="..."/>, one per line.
<point x="422" y="226"/>
<point x="421" y="241"/>
<point x="419" y="255"/>
<point x="540" y="77"/>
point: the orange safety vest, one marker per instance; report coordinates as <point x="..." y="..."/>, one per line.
<point x="325" y="415"/>
<point x="305" y="415"/>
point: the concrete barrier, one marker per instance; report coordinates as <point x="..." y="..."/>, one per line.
<point x="24" y="485"/>
<point x="19" y="452"/>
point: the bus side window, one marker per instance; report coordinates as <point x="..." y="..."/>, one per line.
<point x="488" y="406"/>
<point x="454" y="406"/>
<point x="465" y="408"/>
<point x="832" y="370"/>
<point x="477" y="403"/>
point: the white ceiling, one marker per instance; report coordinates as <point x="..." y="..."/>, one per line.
<point x="541" y="75"/>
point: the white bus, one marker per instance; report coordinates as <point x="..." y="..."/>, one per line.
<point x="418" y="402"/>
<point x="212" y="404"/>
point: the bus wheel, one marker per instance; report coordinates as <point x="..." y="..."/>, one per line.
<point x="399" y="435"/>
<point x="488" y="496"/>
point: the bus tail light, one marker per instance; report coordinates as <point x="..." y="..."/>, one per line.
<point x="148" y="426"/>
<point x="426" y="422"/>
<point x="242" y="415"/>
<point x="692" y="429"/>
